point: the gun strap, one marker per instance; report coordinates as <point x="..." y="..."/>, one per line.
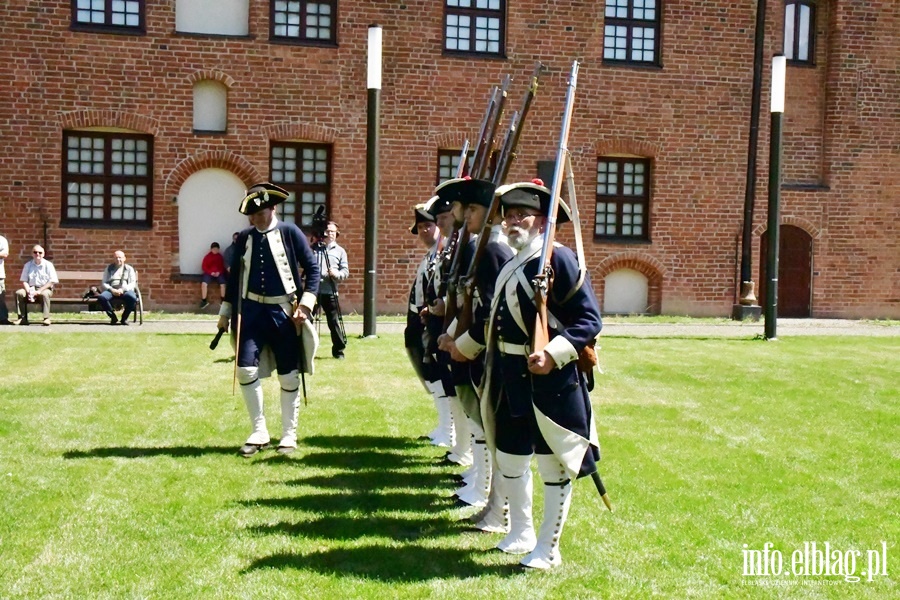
<point x="576" y="225"/>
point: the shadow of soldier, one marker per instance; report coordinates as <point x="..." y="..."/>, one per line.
<point x="405" y="564"/>
<point x="132" y="452"/>
<point x="375" y="490"/>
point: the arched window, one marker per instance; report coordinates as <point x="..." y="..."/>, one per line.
<point x="210" y="106"/>
<point x="625" y="292"/>
<point x="800" y="31"/>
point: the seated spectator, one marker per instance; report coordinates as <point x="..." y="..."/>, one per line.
<point x="119" y="281"/>
<point x="38" y="277"/>
<point x="4" y="312"/>
<point x="213" y="270"/>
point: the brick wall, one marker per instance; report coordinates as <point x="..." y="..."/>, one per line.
<point x="691" y="117"/>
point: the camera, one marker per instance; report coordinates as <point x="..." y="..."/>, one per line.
<point x="319" y="223"/>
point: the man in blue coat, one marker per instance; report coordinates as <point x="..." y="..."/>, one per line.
<point x="536" y="403"/>
<point x="269" y="296"/>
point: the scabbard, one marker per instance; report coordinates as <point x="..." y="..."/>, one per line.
<point x="602" y="489"/>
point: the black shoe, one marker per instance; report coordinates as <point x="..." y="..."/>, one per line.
<point x="203" y="304"/>
<point x="251" y="449"/>
<point x="23" y="321"/>
<point x="338" y="355"/>
<point x="123" y="322"/>
<point x="113" y="319"/>
<point x="7" y="322"/>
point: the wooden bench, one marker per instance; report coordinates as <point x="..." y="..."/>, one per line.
<point x="73" y="284"/>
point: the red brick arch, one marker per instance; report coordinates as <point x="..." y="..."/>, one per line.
<point x="626" y="145"/>
<point x="80" y="119"/>
<point x="213" y="75"/>
<point x="644" y="264"/>
<point x="800" y="222"/>
<point x="217" y="159"/>
<point x="292" y="130"/>
<point x="451" y="140"/>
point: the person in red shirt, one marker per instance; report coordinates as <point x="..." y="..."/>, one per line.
<point x="213" y="270"/>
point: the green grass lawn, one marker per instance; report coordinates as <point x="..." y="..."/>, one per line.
<point x="119" y="476"/>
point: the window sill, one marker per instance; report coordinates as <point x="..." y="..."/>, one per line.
<point x="202" y="35"/>
<point x="632" y="65"/>
<point x="68" y="224"/>
<point x="473" y="55"/>
<point x="305" y="43"/>
<point x="111" y="29"/>
<point x="622" y="240"/>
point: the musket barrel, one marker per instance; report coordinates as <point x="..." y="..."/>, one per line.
<point x="463" y="159"/>
<point x="560" y="165"/>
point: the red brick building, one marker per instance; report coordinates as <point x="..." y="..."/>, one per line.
<point x="137" y="125"/>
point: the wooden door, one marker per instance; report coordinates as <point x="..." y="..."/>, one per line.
<point x="794" y="272"/>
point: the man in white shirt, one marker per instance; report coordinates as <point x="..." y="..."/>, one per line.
<point x="119" y="281"/>
<point x="4" y="312"/>
<point x="38" y="277"/>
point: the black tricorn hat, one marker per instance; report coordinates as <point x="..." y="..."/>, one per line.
<point x="262" y="195"/>
<point x="530" y="194"/>
<point x="466" y="190"/>
<point x="438" y="206"/>
<point x="420" y="211"/>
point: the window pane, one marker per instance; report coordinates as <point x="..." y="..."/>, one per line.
<point x="803" y="34"/>
<point x="104" y="172"/>
<point x="789" y="31"/>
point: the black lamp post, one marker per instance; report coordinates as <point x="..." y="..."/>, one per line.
<point x="747" y="306"/>
<point x="373" y="126"/>
<point x="779" y="68"/>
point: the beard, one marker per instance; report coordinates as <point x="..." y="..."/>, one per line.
<point x="519" y="238"/>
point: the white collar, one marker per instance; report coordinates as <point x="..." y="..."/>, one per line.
<point x="274" y="225"/>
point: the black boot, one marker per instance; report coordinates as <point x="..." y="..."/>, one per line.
<point x="112" y="317"/>
<point x="125" y="315"/>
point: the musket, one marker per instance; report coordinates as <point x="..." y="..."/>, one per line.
<point x="504" y="161"/>
<point x="480" y="164"/>
<point x="482" y="158"/>
<point x="463" y="159"/>
<point x="441" y="252"/>
<point x="543" y="280"/>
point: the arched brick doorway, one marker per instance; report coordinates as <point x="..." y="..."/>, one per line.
<point x="794" y="272"/>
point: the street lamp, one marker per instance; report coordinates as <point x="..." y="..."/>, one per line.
<point x="779" y="69"/>
<point x="747" y="306"/>
<point x="373" y="119"/>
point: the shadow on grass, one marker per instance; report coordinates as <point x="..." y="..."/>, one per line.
<point x="174" y="451"/>
<point x="344" y="528"/>
<point x="406" y="564"/>
<point x="367" y="459"/>
<point x="374" y="480"/>
<point x="362" y="442"/>
<point x="358" y="501"/>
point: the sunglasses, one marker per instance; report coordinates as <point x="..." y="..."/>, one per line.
<point x="36" y="252"/>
